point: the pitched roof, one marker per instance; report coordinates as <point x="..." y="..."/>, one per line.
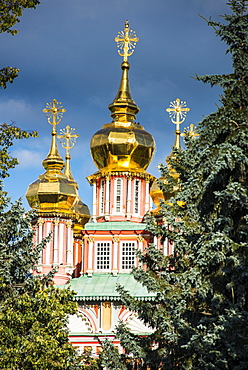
<point x="103" y="287"/>
<point x="115" y="225"/>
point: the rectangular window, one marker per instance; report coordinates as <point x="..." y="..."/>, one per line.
<point x="128" y="255"/>
<point x="103" y="256"/>
<point x="102" y="197"/>
<point x="118" y="196"/>
<point x="136" y="196"/>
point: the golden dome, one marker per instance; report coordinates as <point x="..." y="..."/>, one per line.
<point x="123" y="144"/>
<point x="121" y="148"/>
<point x="55" y="192"/>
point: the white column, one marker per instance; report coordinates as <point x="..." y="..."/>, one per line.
<point x="82" y="244"/>
<point x="56" y="242"/>
<point x="62" y="243"/>
<point x="39" y="239"/>
<point x="115" y="255"/>
<point x="69" y="245"/>
<point x="90" y="256"/>
<point x="166" y="247"/>
<point x="94" y="203"/>
<point x="48" y="225"/>
<point x="107" y="200"/>
<point x="129" y="189"/>
<point x="147" y="197"/>
<point x="150" y="203"/>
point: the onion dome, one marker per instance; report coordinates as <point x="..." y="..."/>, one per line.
<point x="123" y="144"/>
<point x="56" y="192"/>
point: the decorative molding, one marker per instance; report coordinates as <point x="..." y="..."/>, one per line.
<point x="40" y="222"/>
<point x="68" y="223"/>
<point x="56" y="222"/>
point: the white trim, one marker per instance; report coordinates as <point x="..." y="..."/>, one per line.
<point x="94" y="203"/>
<point x="129" y="196"/>
<point x="147" y="204"/>
<point x="107" y="204"/>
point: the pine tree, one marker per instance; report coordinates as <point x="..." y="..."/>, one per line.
<point x="200" y="311"/>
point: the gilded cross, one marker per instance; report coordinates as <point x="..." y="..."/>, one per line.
<point x="191" y="131"/>
<point x="54" y="112"/>
<point x="126" y="42"/>
<point x="177" y="111"/>
<point x="68" y="138"/>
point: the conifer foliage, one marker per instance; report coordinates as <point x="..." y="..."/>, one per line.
<point x="33" y="312"/>
<point x="199" y="314"/>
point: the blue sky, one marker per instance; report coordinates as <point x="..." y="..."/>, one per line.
<point x="65" y="50"/>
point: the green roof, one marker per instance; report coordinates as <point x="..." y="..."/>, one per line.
<point x="115" y="225"/>
<point x="103" y="287"/>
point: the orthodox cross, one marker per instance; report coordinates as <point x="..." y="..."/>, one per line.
<point x="177" y="113"/>
<point x="68" y="138"/>
<point x="191" y="131"/>
<point x="126" y="42"/>
<point x="54" y="112"/>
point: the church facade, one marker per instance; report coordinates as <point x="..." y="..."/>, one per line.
<point x="96" y="253"/>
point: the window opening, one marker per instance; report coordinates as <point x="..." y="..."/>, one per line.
<point x="102" y="197"/>
<point x="136" y="196"/>
<point x="103" y="256"/>
<point x="118" y="196"/>
<point x="128" y="255"/>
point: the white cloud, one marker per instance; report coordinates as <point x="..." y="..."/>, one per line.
<point x="14" y="106"/>
<point x="27" y="158"/>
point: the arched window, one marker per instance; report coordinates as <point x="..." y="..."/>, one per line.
<point x="136" y="196"/>
<point x="101" y="197"/>
<point x="118" y="193"/>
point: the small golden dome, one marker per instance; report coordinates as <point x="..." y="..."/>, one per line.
<point x="56" y="192"/>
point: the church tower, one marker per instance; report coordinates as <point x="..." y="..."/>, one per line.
<point x="97" y="254"/>
<point x="61" y="213"/>
<point x="122" y="151"/>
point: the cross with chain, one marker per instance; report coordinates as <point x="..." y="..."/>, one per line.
<point x="54" y="112"/>
<point x="126" y="41"/>
<point x="68" y="138"/>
